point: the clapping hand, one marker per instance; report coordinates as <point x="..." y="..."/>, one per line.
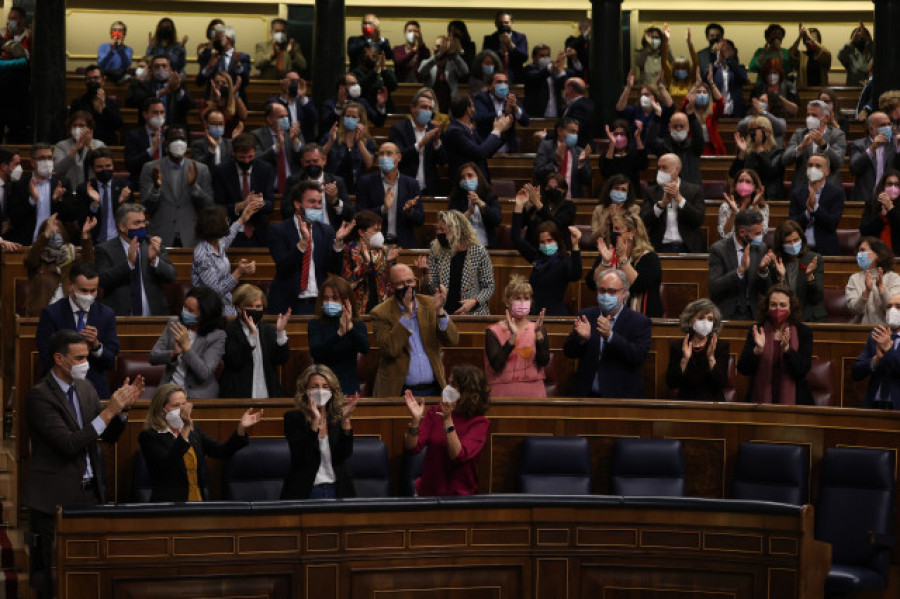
<point x="759" y="338"/>
<point x="416" y="406"/>
<point x="740" y="142"/>
<point x="154" y="249"/>
<point x="344" y="230"/>
<point x="440" y="298"/>
<point x="603" y="326"/>
<point x="248" y="419"/>
<point x="349" y="408"/>
<point x="780" y="268"/>
<point x="89" y="223"/>
<point x="811" y="269"/>
<point x="346" y="319"/>
<point x="606" y="252"/>
<point x="282" y="320"/>
<point x="785" y="339"/>
<point x="729" y="199"/>
<point x="574" y="236"/>
<point x="583" y="327"/>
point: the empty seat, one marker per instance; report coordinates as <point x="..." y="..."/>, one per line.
<point x="821" y="382"/>
<point x="411" y="470"/>
<point x="848" y="239"/>
<point x="836" y="306"/>
<point x="140" y="481"/>
<point x="771" y="472"/>
<point x="653" y="467"/>
<point x="368" y="465"/>
<point x="256" y="472"/>
<point x="504" y="188"/>
<point x="131" y="365"/>
<point x="555" y="466"/>
<point x="854" y="514"/>
<point x="730" y="388"/>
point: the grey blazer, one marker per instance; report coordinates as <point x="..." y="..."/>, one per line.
<point x="724" y="285"/>
<point x="863" y="168"/>
<point x="172" y="208"/>
<point x="477" y="276"/>
<point x="201" y="152"/>
<point x="836" y="149"/>
<point x="115" y="277"/>
<point x="201" y="361"/>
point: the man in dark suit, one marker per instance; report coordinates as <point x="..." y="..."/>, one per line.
<point x="578" y="49"/>
<point x="739" y="268"/>
<point x="419" y="140"/>
<point x="715" y="33"/>
<point x="279" y="144"/>
<point x="348" y="90"/>
<point x="299" y="268"/>
<point x="105" y="110"/>
<point x="338" y="207"/>
<point x="544" y="81"/>
<point x="673" y="209"/>
<point x="562" y="154"/>
<point x="872" y="156"/>
<point x="101" y="195"/>
<point x="464" y="144"/>
<point x="36" y="196"/>
<point x="223" y="58"/>
<point x="65" y="420"/>
<point x="79" y="311"/>
<point x="243" y="179"/>
<point x="392" y="195"/>
<point x="818" y="206"/>
<point x="301" y="108"/>
<point x="133" y="267"/>
<point x="817" y="137"/>
<point x="213" y="148"/>
<point x="880" y="359"/>
<point x="511" y="46"/>
<point x="580" y="108"/>
<point x="146" y="142"/>
<point x="496" y="101"/>
<point x="611" y="343"/>
<point x="682" y="136"/>
<point x="164" y="84"/>
<point x="729" y="76"/>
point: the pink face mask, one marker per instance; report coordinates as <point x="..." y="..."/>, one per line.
<point x="520" y="309"/>
<point x="892" y="191"/>
<point x="621" y="141"/>
<point x="744" y="189"/>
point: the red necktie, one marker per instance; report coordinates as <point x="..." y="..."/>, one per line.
<point x="245" y="191"/>
<point x="282" y="172"/>
<point x="506" y="62"/>
<point x="565" y="168"/>
<point x="156" y="152"/>
<point x="304" y="267"/>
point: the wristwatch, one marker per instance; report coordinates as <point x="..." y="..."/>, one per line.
<point x="449" y="429"/>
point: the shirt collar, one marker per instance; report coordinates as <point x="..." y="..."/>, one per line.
<point x="176" y="165"/>
<point x="64" y="386"/>
<point x="74" y="306"/>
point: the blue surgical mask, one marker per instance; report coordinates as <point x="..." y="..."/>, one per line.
<point x="386" y="164"/>
<point x="702" y="100"/>
<point x="468" y="184"/>
<point x="350" y="123"/>
<point x="763" y="106"/>
<point x="216" y="131"/>
<point x="332" y="309"/>
<point x="862" y="258"/>
<point x="756" y="241"/>
<point x="423" y="117"/>
<point x="607" y="302"/>
<point x="680" y="74"/>
<point x="487" y="69"/>
<point x="188" y="319"/>
<point x="549" y="249"/>
<point x="887" y="131"/>
<point x="285" y="123"/>
<point x="313" y="215"/>
<point x="501" y="90"/>
<point x="618" y="196"/>
<point x="571" y="139"/>
<point x="792" y="249"/>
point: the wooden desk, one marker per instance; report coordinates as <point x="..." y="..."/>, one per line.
<point x="541" y="548"/>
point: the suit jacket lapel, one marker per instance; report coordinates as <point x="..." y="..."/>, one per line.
<point x="63" y="401"/>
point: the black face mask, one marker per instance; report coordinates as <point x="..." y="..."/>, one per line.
<point x="442" y="239"/>
<point x="504" y="29"/>
<point x="400" y="294"/>
<point x="552" y="195"/>
<point x="254" y="315"/>
<point x="104" y="176"/>
<point x="294" y="88"/>
<point x="92" y="88"/>
<point x="217" y="46"/>
<point x="244" y="166"/>
<point x="313" y="171"/>
<point x="166" y="33"/>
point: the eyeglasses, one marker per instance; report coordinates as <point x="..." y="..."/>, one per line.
<point x="608" y="291"/>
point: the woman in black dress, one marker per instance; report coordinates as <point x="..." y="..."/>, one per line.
<point x="698" y="364"/>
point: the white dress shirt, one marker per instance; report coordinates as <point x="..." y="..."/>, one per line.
<point x="672" y="234"/>
<point x="312" y="289"/>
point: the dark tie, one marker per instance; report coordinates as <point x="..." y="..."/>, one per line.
<point x="74" y="404"/>
<point x="137" y="304"/>
<point x="282" y="168"/>
<point x="107" y="209"/>
<point x="79" y="326"/>
<point x="304" y="267"/>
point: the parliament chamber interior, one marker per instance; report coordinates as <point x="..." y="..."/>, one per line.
<point x="569" y="494"/>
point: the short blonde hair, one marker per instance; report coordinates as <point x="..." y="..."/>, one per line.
<point x="247" y="294"/>
<point x="763" y="123"/>
<point x="516" y="286"/>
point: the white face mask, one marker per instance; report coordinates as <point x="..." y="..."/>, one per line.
<point x="77" y="132"/>
<point x="320" y="397"/>
<point x="703" y="327"/>
<point x="83" y="301"/>
<point x="774" y="78"/>
<point x="140" y="72"/>
<point x="156" y="122"/>
<point x="411" y="37"/>
<point x="79" y="371"/>
<point x="814" y="175"/>
<point x="354" y="90"/>
<point x="279" y="37"/>
<point x="893" y="318"/>
<point x="174" y="420"/>
<point x="376" y="241"/>
<point x="16" y="173"/>
<point x="44" y="168"/>
<point x="646" y="102"/>
<point x="663" y="178"/>
<point x="678" y="136"/>
<point x="449" y="395"/>
<point x="813" y="123"/>
<point x="177" y="148"/>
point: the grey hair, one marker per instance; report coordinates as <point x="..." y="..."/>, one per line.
<point x="598" y="276"/>
<point x="700" y="306"/>
<point x="229" y="32"/>
<point x="124" y="210"/>
<point x="820" y="104"/>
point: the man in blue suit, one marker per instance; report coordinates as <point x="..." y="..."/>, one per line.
<point x="463" y="142"/>
<point x="611" y="343"/>
<point x="393" y="195"/>
<point x="881" y="360"/>
<point x="80" y="312"/>
<point x="244" y="179"/>
<point x="305" y="250"/>
<point x="818" y="206"/>
<point x="495" y="102"/>
<point x="511" y="46"/>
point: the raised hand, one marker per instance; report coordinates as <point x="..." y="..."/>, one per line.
<point x="780" y="268"/>
<point x="248" y="419"/>
<point x="583" y="327"/>
<point x="124" y="195"/>
<point x="540" y="322"/>
<point x="89" y="223"/>
<point x="606" y="252"/>
<point x="575" y="236"/>
<point x="154" y="249"/>
<point x="344" y="230"/>
<point x="282" y="320"/>
<point x="740" y="142"/>
<point x="785" y="339"/>
<point x="416" y="406"/>
<point x="811" y="269"/>
<point x="349" y="408"/>
<point x="759" y="337"/>
<point x="440" y="297"/>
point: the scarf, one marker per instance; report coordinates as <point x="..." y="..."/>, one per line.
<point x="771" y="359"/>
<point x="62" y="257"/>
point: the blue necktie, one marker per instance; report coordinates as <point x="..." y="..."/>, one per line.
<point x="137" y="304"/>
<point x="74" y="403"/>
<point x="79" y="326"/>
<point x="108" y="217"/>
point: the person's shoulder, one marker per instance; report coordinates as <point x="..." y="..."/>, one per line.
<point x="722" y="244"/>
<point x="369" y="179"/>
<point x="383" y="310"/>
<point x="635" y="317"/>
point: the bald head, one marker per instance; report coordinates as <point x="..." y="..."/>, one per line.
<point x="401" y="275"/>
<point x="678" y="122"/>
<point x="391" y="152"/>
<point x="670" y="163"/>
<point x="876" y="121"/>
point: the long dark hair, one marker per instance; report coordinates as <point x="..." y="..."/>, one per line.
<point x="615" y="180"/>
<point x="456" y="192"/>
<point x="796" y="316"/>
<point x="210" y="310"/>
<point x="474" y="391"/>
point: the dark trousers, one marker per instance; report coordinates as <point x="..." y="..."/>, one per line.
<point x="427" y="390"/>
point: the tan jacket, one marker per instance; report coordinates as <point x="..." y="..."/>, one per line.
<point x="393" y="342"/>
